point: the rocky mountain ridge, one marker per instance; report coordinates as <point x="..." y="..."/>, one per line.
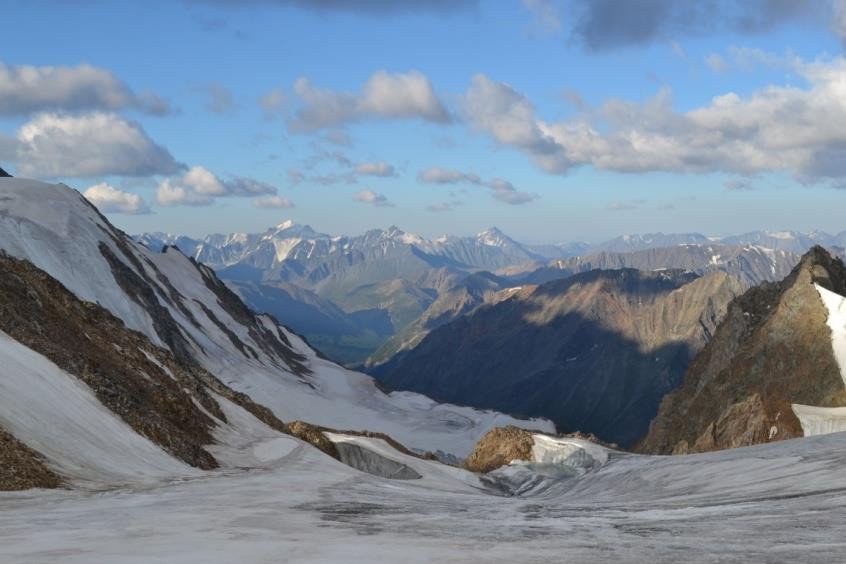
<point x="770" y="357"/>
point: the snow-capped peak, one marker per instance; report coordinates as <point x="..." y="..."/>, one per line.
<point x="492" y="237"/>
<point x="287" y="224"/>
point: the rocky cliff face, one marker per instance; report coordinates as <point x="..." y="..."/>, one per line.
<point x="772" y="350"/>
<point x="594" y="353"/>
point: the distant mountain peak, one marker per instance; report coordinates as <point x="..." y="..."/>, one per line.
<point x="4" y="174"/>
<point x="287" y="224"/>
<point x="493" y="237"/>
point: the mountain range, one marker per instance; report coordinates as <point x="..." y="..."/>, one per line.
<point x="361" y="299"/>
<point x="145" y="409"/>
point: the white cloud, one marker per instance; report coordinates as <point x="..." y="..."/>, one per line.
<point x="501" y="190"/>
<point x="273" y="202"/>
<point x="509" y="117"/>
<point x="199" y="187"/>
<point x="171" y="193"/>
<point x="26" y="89"/>
<point x="779" y="128"/>
<point x="375" y="169"/>
<point x="96" y="144"/>
<point x="372" y="198"/>
<point x="109" y="199"/>
<point x="247" y="187"/>
<point x="384" y="96"/>
<point x="505" y="192"/>
<point x="201" y="180"/>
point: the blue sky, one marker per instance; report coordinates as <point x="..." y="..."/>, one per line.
<point x="553" y="120"/>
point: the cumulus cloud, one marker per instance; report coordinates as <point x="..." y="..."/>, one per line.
<point x="273" y="202"/>
<point x="97" y="144"/>
<point x="384" y="96"/>
<point x="172" y="193"/>
<point x="26" y="89"/>
<point x="109" y="199"/>
<point x="505" y="192"/>
<point x="200" y="187"/>
<point x="780" y="128"/>
<point x="608" y="24"/>
<point x="499" y="110"/>
<point x="501" y="190"/>
<point x="372" y="198"/>
<point x="375" y="169"/>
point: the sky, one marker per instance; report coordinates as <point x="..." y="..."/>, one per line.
<point x="552" y="120"/>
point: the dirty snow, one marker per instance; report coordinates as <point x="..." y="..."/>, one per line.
<point x="781" y="502"/>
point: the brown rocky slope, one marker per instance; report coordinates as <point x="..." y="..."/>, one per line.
<point x="772" y="349"/>
<point x="161" y="398"/>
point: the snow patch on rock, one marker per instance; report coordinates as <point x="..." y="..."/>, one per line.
<point x="820" y="420"/>
<point x="836" y="306"/>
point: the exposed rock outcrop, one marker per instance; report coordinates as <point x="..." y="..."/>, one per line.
<point x="773" y="349"/>
<point x="499" y="447"/>
<point x="21" y="468"/>
<point x="4" y="174"/>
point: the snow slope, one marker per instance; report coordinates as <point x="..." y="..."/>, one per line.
<point x="780" y="502"/>
<point x="53" y="227"/>
<point x="57" y="415"/>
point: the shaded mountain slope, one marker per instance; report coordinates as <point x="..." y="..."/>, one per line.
<point x="595" y="352"/>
